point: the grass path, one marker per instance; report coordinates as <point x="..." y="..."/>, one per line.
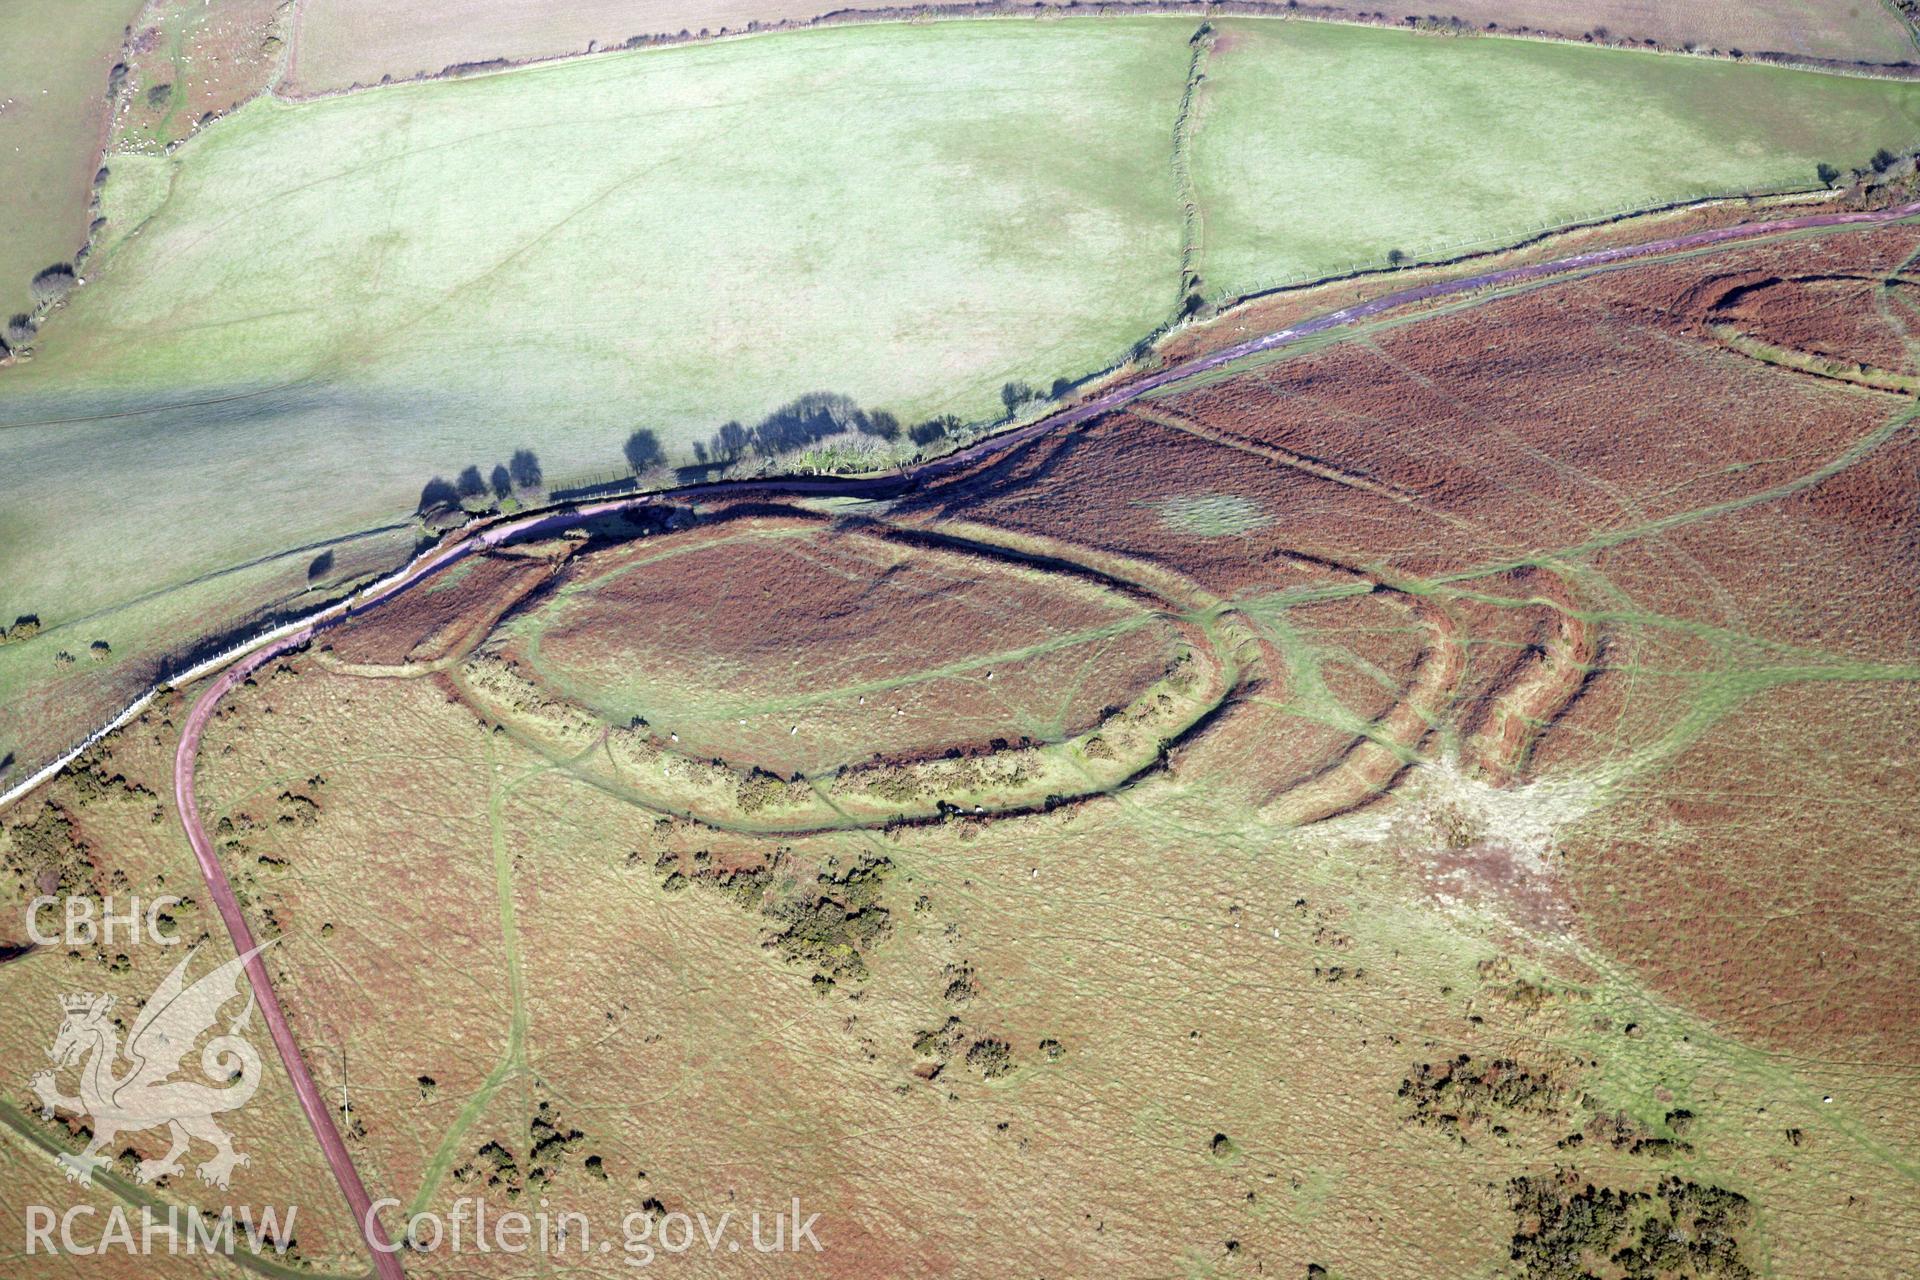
<point x="513" y="1059"/>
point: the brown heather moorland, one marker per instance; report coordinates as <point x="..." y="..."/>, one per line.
<point x="1441" y="808"/>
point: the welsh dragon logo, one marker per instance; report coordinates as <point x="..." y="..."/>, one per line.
<point x="146" y="1096"/>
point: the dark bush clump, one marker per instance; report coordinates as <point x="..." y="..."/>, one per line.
<point x="934" y="429"/>
<point x="55" y="283"/>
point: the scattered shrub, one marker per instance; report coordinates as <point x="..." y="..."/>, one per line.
<point x="991" y="1057"/>
<point x="158" y="95"/>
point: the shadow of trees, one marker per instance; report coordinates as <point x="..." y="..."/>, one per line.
<point x="524" y="467"/>
<point x="516" y="477"/>
<point x="643" y="450"/>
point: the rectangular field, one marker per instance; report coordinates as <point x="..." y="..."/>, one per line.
<point x="1424" y="144"/>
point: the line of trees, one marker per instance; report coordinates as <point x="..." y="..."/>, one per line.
<point x="800" y="422"/>
<point x="520" y="474"/>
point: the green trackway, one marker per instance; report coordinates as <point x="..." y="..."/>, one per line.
<point x="308" y="310"/>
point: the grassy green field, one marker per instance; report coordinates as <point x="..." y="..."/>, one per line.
<point x="309" y="310"/>
<point x="53" y="80"/>
<point x="339" y="300"/>
<point x="1422" y="145"/>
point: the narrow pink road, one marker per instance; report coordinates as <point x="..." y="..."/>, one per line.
<point x="385" y="1263"/>
<point x="319" y="1115"/>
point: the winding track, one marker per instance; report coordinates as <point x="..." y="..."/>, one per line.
<point x="385" y="1260"/>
